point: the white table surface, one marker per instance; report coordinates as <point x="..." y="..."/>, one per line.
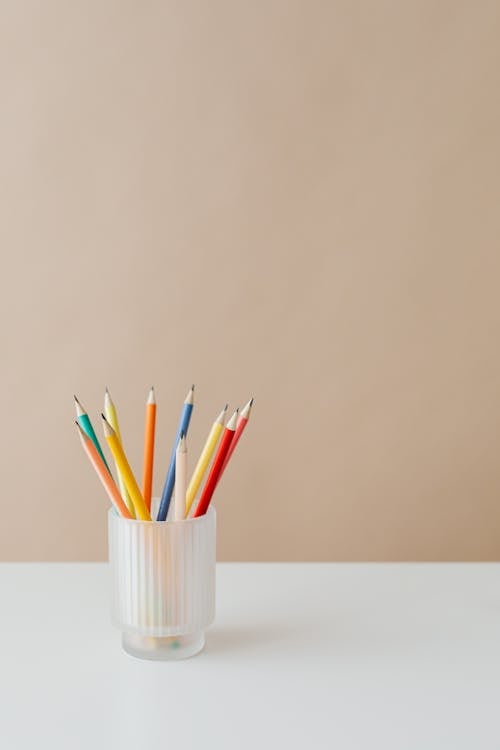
<point x="300" y="656"/>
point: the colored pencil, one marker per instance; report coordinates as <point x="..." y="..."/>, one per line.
<point x="84" y="421"/>
<point x="240" y="426"/>
<point x="183" y="427"/>
<point x="180" y="480"/>
<point x="123" y="467"/>
<point x="149" y="448"/>
<point x="216" y="470"/>
<point x="103" y="473"/>
<point x="112" y="417"/>
<point x="205" y="458"/>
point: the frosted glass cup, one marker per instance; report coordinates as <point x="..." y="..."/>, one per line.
<point x="163" y="584"/>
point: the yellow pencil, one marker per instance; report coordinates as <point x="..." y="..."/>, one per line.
<point x="123" y="467"/>
<point x="204" y="459"/>
<point x="112" y="417"/>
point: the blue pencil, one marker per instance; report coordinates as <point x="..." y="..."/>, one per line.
<point x="170" y="480"/>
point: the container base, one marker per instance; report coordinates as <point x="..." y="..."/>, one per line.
<point x="171" y="648"/>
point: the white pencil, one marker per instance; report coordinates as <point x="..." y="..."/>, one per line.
<point x="180" y="480"/>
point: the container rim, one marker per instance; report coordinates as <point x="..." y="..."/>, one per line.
<point x="200" y="519"/>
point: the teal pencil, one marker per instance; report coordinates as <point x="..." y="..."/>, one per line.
<point x="83" y="420"/>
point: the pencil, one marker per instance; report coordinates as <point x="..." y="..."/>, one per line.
<point x="103" y="473"/>
<point x="240" y="426"/>
<point x="123" y="467"/>
<point x="149" y="448"/>
<point x="183" y="427"/>
<point x="180" y="479"/>
<point x="84" y="421"/>
<point x="216" y="470"/>
<point x="112" y="417"/>
<point x="204" y="459"/>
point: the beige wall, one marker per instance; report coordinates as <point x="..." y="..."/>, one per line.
<point x="297" y="200"/>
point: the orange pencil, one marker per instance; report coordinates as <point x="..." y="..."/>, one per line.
<point x="103" y="474"/>
<point x="149" y="449"/>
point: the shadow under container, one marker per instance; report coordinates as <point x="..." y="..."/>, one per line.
<point x="163" y="584"/>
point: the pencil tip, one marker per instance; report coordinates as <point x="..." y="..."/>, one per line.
<point x="107" y="391"/>
<point x="192" y="387"/>
<point x="108" y="430"/>
<point x="226" y="407"/>
<point x="80" y="411"/>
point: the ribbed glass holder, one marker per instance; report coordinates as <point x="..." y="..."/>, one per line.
<point x="163" y="584"/>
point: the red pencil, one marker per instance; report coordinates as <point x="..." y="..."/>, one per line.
<point x="240" y="426"/>
<point x="217" y="467"/>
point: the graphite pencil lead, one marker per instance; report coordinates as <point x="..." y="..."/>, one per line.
<point x="221" y="416"/>
<point x="108" y="430"/>
<point x="245" y="412"/>
<point x="107" y="400"/>
<point x="80" y="411"/>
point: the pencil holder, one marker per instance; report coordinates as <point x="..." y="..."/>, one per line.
<point x="163" y="584"/>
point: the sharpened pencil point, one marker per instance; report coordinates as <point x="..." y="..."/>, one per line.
<point x="80" y="411"/>
<point x="108" y="430"/>
<point x="245" y="412"/>
<point x="107" y="400"/>
<point x="222" y="415"/>
<point x="81" y="433"/>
